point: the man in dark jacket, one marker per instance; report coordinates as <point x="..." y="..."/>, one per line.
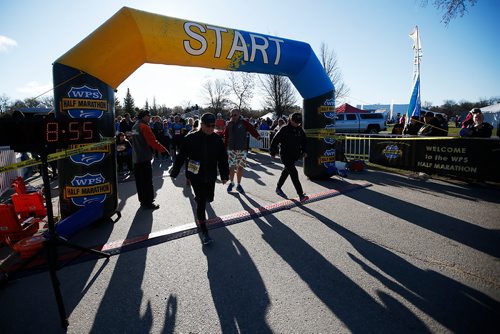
<point x="204" y="152"/>
<point x="292" y="141"/>
<point x="126" y="125"/>
<point x="143" y="143"/>
<point x="413" y="127"/>
<point x="431" y="127"/>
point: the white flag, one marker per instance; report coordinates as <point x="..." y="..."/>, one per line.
<point x="416" y="38"/>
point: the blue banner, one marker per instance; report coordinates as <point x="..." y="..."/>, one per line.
<point x="414" y="107"/>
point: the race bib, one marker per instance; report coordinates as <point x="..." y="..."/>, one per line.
<point x="193" y="166"/>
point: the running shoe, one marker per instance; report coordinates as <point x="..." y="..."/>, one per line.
<point x="239" y="188"/>
<point x="230" y="187"/>
<point x="303" y="198"/>
<point x="280" y="192"/>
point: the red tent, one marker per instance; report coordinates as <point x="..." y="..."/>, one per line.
<point x="347" y="108"/>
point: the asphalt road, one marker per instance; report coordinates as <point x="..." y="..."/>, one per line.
<point x="398" y="256"/>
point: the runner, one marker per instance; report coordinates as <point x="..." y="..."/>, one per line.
<point x="205" y="153"/>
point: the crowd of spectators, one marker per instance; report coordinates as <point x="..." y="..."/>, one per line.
<point x="170" y="132"/>
<point x="436" y="125"/>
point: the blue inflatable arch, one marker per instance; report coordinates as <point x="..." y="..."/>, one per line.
<point x="86" y="77"/>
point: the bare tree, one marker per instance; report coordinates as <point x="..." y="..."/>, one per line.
<point x="242" y="86"/>
<point x="178" y="110"/>
<point x="186" y="105"/>
<point x="279" y="93"/>
<point x="217" y="93"/>
<point x="4" y="103"/>
<point x="33" y="102"/>
<point x="329" y="61"/>
<point x="426" y="104"/>
<point x="451" y="8"/>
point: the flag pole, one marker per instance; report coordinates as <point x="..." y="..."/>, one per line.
<point x="414" y="106"/>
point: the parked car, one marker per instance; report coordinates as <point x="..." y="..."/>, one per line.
<point x="360" y="123"/>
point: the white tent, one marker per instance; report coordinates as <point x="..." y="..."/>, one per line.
<point x="270" y="115"/>
<point x="492" y="114"/>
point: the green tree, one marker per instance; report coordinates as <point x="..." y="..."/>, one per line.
<point x="118" y="107"/>
<point x="129" y="104"/>
<point x="154" y="107"/>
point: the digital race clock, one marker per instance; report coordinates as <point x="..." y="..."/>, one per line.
<point x="69" y="131"/>
<point x="35" y="134"/>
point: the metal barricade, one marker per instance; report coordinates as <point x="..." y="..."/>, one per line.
<point x="265" y="140"/>
<point x="7" y="157"/>
<point x="358" y="146"/>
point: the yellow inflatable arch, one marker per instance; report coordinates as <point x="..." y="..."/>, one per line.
<point x="86" y="76"/>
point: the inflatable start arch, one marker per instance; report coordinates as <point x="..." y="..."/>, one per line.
<point x="87" y="75"/>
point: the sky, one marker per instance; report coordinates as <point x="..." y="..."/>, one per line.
<point x="370" y="38"/>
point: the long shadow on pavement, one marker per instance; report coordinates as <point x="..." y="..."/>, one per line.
<point x="458" y="307"/>
<point x="477" y="237"/>
<point x="347" y="300"/>
<point x="239" y="294"/>
<point x="458" y="189"/>
<point x="120" y="307"/>
<point x="238" y="291"/>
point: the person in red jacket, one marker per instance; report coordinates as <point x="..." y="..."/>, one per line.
<point x="143" y="143"/>
<point x="235" y="138"/>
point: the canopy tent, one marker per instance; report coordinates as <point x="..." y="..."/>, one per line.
<point x="270" y="115"/>
<point x="492" y="114"/>
<point x="347" y="108"/>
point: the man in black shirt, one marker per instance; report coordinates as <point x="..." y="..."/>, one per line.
<point x="204" y="152"/>
<point x="292" y="141"/>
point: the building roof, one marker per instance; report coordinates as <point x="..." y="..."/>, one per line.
<point x="347" y="108"/>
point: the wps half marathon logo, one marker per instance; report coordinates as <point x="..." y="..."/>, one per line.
<point x="328" y="108"/>
<point x="84" y="102"/>
<point x="330" y="131"/>
<point x="327" y="158"/>
<point x="392" y="151"/>
<point x="88" y="188"/>
<point x="328" y="161"/>
<point x="89" y="158"/>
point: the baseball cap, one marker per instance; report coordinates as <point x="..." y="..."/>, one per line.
<point x="143" y="113"/>
<point x="208" y="118"/>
